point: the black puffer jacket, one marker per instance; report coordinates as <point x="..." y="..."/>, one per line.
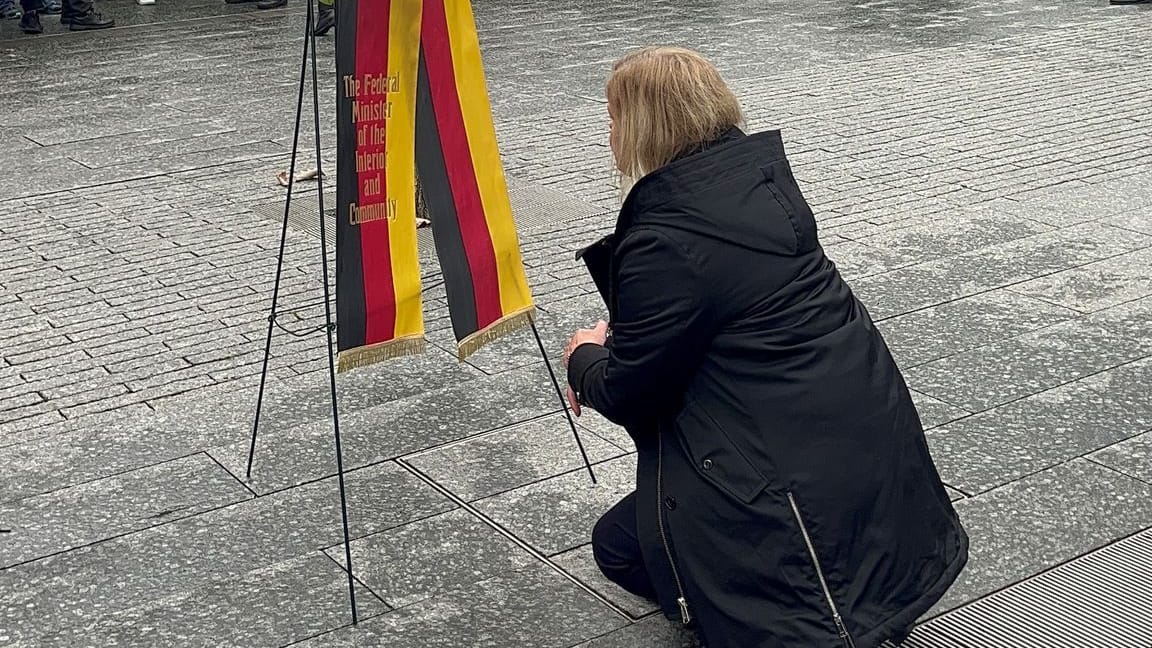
<point x="785" y="491"/>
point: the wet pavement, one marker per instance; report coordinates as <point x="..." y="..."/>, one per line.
<point x="980" y="171"/>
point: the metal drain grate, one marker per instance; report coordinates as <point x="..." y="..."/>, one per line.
<point x="1100" y="600"/>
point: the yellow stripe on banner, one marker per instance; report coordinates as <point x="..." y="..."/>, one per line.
<point x="514" y="292"/>
<point x="403" y="64"/>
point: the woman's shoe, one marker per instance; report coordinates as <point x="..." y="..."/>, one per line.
<point x="30" y="23"/>
<point x="88" y="21"/>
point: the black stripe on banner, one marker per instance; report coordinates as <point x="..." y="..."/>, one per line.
<point x="442" y="212"/>
<point x="350" y="309"/>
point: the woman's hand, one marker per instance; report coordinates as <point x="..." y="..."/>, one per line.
<point x="573" y="402"/>
<point x="598" y="335"/>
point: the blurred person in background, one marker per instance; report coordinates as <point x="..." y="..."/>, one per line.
<point x="325" y="20"/>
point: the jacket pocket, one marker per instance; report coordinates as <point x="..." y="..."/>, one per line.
<point x="716" y="458"/>
<point x="783" y="186"/>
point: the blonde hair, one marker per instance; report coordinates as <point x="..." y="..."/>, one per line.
<point x="666" y="101"/>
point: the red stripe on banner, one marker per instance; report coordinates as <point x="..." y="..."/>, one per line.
<point x="375" y="247"/>
<point x="459" y="165"/>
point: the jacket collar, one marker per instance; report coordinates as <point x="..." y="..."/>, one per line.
<point x="696" y="168"/>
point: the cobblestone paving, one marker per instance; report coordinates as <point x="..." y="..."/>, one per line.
<point x="981" y="171"/>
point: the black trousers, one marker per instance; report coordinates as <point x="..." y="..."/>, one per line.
<point x="71" y="7"/>
<point x="616" y="547"/>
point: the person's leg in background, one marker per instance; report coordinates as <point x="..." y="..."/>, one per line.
<point x="79" y="15"/>
<point x="30" y="21"/>
<point x="261" y="4"/>
<point x="327" y="18"/>
<point x="8" y="10"/>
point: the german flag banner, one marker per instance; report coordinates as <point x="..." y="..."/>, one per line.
<point x="462" y="180"/>
<point x="378" y="301"/>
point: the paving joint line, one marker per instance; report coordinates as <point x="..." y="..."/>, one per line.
<point x="495" y="526"/>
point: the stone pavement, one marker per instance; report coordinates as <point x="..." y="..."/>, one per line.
<point x="981" y="171"/>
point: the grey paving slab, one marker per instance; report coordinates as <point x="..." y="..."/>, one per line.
<point x="558" y="514"/>
<point x="652" y="632"/>
<point x="520" y="349"/>
<point x="129" y="571"/>
<point x="934" y="412"/>
<point x="856" y="260"/>
<point x="429" y="557"/>
<point x="289" y="457"/>
<point x="533" y="606"/>
<point x="95" y="152"/>
<point x="1043" y="520"/>
<point x="114" y="444"/>
<point x="1132" y="457"/>
<point x="953" y="233"/>
<point x="1137" y="220"/>
<point x="511" y="457"/>
<point x="109" y="122"/>
<point x="916" y="287"/>
<point x="980" y="379"/>
<point x="282" y="603"/>
<point x="62" y="173"/>
<point x="947" y="329"/>
<point x="1064" y="206"/>
<point x="73" y="517"/>
<point x="207" y="137"/>
<point x="1003" y="444"/>
<point x="260" y="150"/>
<point x="1132" y="320"/>
<point x="308" y="397"/>
<point x="1097" y="285"/>
<point x="591" y="420"/>
<point x="580" y="563"/>
<point x="60" y="461"/>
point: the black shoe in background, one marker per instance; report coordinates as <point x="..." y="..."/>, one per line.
<point x="1128" y="2"/>
<point x="271" y="4"/>
<point x="326" y="21"/>
<point x="239" y="1"/>
<point x="30" y="23"/>
<point x="88" y="21"/>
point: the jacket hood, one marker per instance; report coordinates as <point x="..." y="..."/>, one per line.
<point x="738" y="189"/>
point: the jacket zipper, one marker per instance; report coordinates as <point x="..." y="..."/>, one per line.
<point x="685" y="617"/>
<point x="841" y="629"/>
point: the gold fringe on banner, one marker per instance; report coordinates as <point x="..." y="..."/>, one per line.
<point x="366" y="355"/>
<point x="501" y="327"/>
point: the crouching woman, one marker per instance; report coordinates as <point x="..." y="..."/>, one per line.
<point x="785" y="495"/>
